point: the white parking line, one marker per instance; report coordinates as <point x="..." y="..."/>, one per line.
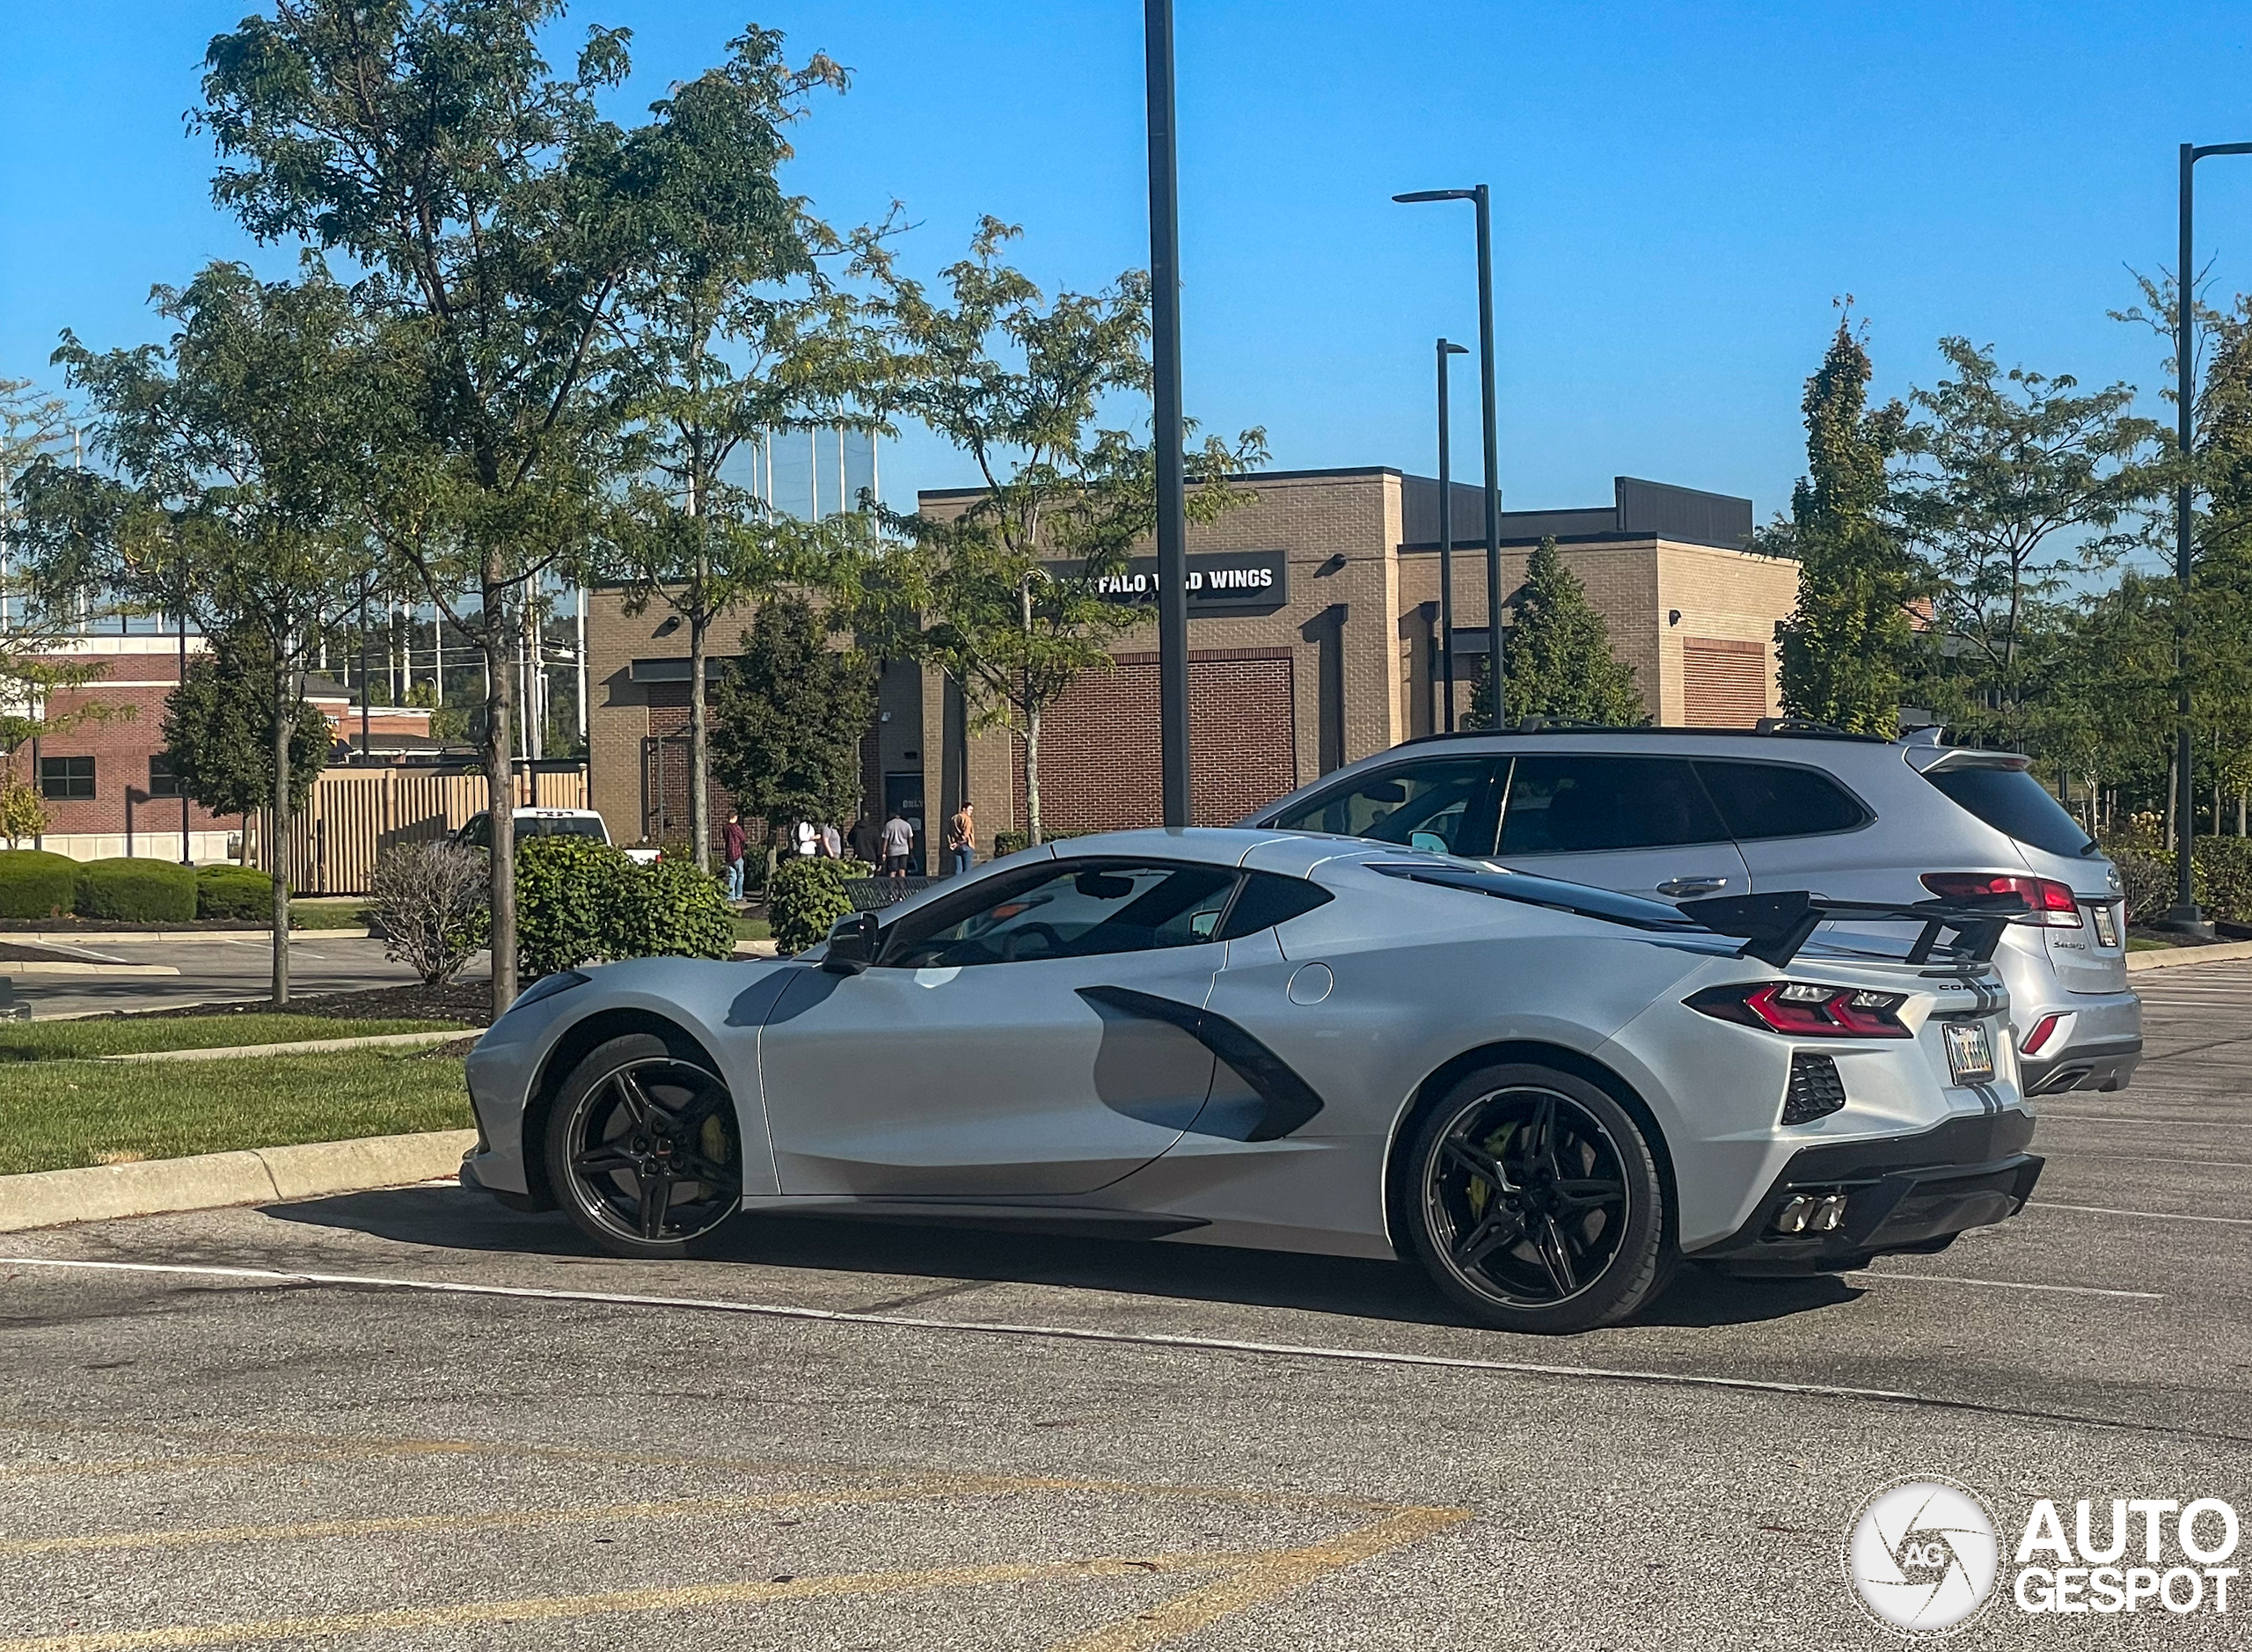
<point x="1066" y="1334"/>
<point x="2156" y="1216"/>
<point x="1865" y="1275"/>
<point x="2156" y="1158"/>
<point x="2048" y="1118"/>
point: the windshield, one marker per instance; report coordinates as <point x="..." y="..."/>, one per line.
<point x="1553" y="893"/>
<point x="2012" y="801"/>
<point x="559" y="826"/>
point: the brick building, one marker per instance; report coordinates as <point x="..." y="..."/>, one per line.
<point x="106" y="782"/>
<point x="1313" y="642"/>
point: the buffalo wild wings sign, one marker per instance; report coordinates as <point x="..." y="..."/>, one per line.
<point x="1220" y="582"/>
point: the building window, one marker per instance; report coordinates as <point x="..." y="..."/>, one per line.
<point x="162" y="781"/>
<point x="66" y="777"/>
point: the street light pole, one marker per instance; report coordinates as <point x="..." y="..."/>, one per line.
<point x="2184" y="914"/>
<point x="1447" y="537"/>
<point x="1480" y="196"/>
<point x="1166" y="431"/>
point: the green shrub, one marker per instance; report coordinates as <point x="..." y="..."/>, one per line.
<point x="1008" y="841"/>
<point x="132" y="890"/>
<point x="236" y="894"/>
<point x="669" y="909"/>
<point x="568" y="888"/>
<point x="806" y="896"/>
<point x="36" y="884"/>
<point x="2223" y="865"/>
<point x="435" y="902"/>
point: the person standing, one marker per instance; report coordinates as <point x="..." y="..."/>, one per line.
<point x="898" y="845"/>
<point x="962" y="839"/>
<point x="735" y="845"/>
<point x="832" y="841"/>
<point x="806" y="838"/>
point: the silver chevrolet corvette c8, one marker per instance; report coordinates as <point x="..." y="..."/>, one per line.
<point x="1546" y="1095"/>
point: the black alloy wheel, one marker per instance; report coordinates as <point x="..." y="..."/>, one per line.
<point x="1539" y="1206"/>
<point x="643" y="1149"/>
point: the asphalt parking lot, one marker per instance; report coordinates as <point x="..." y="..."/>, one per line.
<point x="213" y="968"/>
<point x="411" y="1419"/>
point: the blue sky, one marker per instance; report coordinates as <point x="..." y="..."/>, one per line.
<point x="1681" y="193"/>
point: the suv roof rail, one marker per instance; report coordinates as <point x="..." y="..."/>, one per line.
<point x="1768" y="728"/>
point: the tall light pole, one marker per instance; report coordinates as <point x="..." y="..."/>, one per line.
<point x="1166" y="425"/>
<point x="1479" y="196"/>
<point x="1446" y="536"/>
<point x="2184" y="915"/>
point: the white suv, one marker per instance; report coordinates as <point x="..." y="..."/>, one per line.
<point x="1677" y="813"/>
<point x="477" y="832"/>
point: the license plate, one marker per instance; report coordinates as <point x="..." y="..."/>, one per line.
<point x="2106" y="927"/>
<point x="1970" y="1056"/>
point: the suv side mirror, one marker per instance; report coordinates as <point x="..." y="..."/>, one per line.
<point x="853" y="942"/>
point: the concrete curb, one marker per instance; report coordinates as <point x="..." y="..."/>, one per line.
<point x="303" y="1046"/>
<point x="756" y="949"/>
<point x="74" y="967"/>
<point x="206" y="1182"/>
<point x="2175" y="958"/>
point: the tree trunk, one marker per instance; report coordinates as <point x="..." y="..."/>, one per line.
<point x="1032" y="775"/>
<point x="284" y="719"/>
<point x="2240" y="813"/>
<point x="499" y="791"/>
<point x="699" y="782"/>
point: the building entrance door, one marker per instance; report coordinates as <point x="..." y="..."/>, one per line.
<point x="903" y="793"/>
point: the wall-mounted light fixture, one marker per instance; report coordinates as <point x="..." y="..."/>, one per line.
<point x="1672" y="616"/>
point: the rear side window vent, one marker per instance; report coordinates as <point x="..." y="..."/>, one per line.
<point x="1816" y="1089"/>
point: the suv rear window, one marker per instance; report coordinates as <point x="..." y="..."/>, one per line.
<point x="1769" y="799"/>
<point x="2011" y="801"/>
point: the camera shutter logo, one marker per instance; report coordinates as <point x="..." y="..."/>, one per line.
<point x="1922" y="1557"/>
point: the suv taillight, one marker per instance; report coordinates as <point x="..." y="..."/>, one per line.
<point x="2054" y="905"/>
<point x="1800" y="1009"/>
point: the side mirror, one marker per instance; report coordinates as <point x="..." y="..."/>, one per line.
<point x="852" y="943"/>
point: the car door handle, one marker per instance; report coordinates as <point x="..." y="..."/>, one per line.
<point x="1680" y="887"/>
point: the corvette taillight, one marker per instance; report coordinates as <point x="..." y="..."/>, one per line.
<point x="1801" y="1009"/>
<point x="2053" y="905"/>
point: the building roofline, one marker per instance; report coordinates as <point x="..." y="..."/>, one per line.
<point x="1251" y="476"/>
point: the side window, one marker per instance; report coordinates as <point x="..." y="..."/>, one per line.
<point x="1269" y="899"/>
<point x="478" y="833"/>
<point x="1581" y="805"/>
<point x="1072" y="910"/>
<point x="1446" y="805"/>
<point x="1768" y="800"/>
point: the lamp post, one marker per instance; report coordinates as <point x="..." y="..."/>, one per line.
<point x="2184" y="915"/>
<point x="1447" y="537"/>
<point x="1479" y="196"/>
<point x="1165" y="422"/>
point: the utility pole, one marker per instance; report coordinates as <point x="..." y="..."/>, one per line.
<point x="1166" y="429"/>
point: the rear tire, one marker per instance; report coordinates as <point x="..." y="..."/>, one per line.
<point x="643" y="1150"/>
<point x="1535" y="1203"/>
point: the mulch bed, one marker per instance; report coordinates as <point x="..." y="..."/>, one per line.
<point x="466" y="1001"/>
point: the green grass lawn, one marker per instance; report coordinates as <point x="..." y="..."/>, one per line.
<point x="753" y="929"/>
<point x="64" y="1041"/>
<point x="2138" y="943"/>
<point x="56" y="1115"/>
<point x="328" y="915"/>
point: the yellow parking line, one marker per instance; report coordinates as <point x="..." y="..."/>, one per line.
<point x="1261" y="1579"/>
<point x="552" y="1607"/>
<point x="497" y="1519"/>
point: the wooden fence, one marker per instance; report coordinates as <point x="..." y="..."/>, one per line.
<point x="356" y="814"/>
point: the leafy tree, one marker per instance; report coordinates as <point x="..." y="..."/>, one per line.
<point x="792" y="715"/>
<point x="1841" y="653"/>
<point x="502" y="220"/>
<point x="1008" y="592"/>
<point x="1559" y="662"/>
<point x="724" y="336"/>
<point x="22" y="813"/>
<point x="2015" y="482"/>
<point x="236" y="447"/>
<point x="219" y="733"/>
<point x="32" y="426"/>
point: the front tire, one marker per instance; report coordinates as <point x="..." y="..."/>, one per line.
<point x="643" y="1150"/>
<point x="1535" y="1203"/>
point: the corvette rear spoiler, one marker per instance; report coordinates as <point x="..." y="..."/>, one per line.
<point x="1774" y="927"/>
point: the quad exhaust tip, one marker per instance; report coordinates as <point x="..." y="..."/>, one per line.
<point x="1811" y="1213"/>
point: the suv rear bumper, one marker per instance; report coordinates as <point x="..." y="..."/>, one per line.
<point x="2105" y="1064"/>
<point x="1904" y="1193"/>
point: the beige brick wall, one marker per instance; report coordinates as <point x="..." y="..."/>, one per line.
<point x="1732" y="595"/>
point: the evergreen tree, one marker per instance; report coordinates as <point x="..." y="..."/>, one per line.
<point x="218" y="732"/>
<point x="1844" y="649"/>
<point x="1558" y="662"/>
<point x="789" y="717"/>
